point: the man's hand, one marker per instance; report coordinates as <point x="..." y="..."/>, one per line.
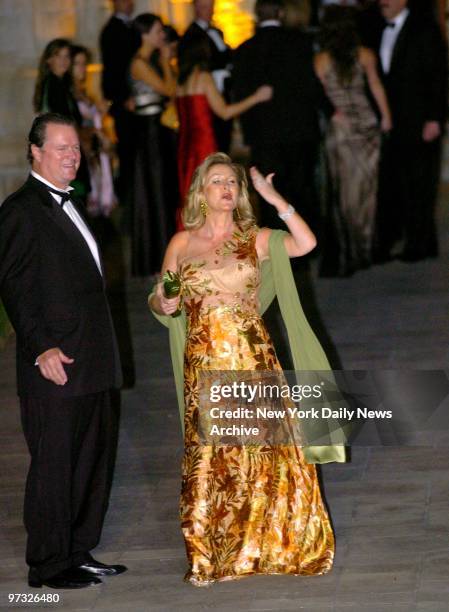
<point x="50" y="365"/>
<point x="431" y="130"/>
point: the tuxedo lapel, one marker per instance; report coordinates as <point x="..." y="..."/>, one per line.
<point x="82" y="213"/>
<point x="62" y="220"/>
<point x="400" y="45"/>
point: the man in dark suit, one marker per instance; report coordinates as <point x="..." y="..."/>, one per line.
<point x="118" y="43"/>
<point x="283" y="134"/>
<point x="53" y="289"/>
<point x="413" y="59"/>
<point x="220" y="62"/>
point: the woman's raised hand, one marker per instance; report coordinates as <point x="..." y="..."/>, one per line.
<point x="264" y="93"/>
<point x="264" y="186"/>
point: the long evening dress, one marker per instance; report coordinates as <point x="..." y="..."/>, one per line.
<point x="244" y="510"/>
<point x="155" y="185"/>
<point x="353" y="150"/>
<point x="196" y="139"/>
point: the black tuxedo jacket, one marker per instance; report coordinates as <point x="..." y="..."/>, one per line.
<point x="54" y="296"/>
<point x="416" y="84"/>
<point x="218" y="59"/>
<point x="282" y="58"/>
<point x="118" y="43"/>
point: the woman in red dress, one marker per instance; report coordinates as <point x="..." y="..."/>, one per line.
<point x="197" y="100"/>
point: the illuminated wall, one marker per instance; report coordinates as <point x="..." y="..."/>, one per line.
<point x="236" y="20"/>
<point x="234" y="17"/>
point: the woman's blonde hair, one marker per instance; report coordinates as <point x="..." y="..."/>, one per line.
<point x="192" y="216"/>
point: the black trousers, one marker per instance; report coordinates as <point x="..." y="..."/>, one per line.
<point x="294" y="165"/>
<point x="72" y="443"/>
<point x="408" y="186"/>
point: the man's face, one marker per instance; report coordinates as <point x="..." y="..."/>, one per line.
<point x="204" y="9"/>
<point x="391" y="8"/>
<point x="58" y="159"/>
<point x="124" y="6"/>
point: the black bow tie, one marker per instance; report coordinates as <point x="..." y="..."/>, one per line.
<point x="390" y="24"/>
<point x="64" y="195"/>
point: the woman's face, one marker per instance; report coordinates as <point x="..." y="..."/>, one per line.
<point x="156" y="36"/>
<point x="79" y="67"/>
<point x="59" y="62"/>
<point x="221" y="188"/>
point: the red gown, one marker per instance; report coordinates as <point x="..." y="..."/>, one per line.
<point x="195" y="142"/>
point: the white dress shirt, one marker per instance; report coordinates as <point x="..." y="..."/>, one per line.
<point x="75" y="217"/>
<point x="213" y="34"/>
<point x="269" y="23"/>
<point x="127" y="19"/>
<point x="389" y="38"/>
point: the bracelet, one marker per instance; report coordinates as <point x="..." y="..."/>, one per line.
<point x="287" y="214"/>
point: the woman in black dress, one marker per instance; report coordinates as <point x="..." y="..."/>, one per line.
<point x="53" y="90"/>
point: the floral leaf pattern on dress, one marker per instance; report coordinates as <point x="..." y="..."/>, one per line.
<point x="244" y="509"/>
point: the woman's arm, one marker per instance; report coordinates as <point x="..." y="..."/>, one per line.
<point x="158" y="302"/>
<point x="301" y="240"/>
<point x="369" y="63"/>
<point x="320" y="65"/>
<point x="229" y="111"/>
<point x="142" y="71"/>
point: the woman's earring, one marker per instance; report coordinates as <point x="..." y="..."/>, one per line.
<point x="237" y="213"/>
<point x="204" y="208"/>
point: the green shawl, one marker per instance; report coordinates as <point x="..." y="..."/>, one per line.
<point x="307" y="353"/>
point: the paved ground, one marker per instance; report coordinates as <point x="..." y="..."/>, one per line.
<point x="390" y="506"/>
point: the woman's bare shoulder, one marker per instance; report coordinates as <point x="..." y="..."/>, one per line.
<point x="179" y="240"/>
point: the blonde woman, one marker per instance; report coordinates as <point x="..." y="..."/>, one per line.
<point x="244" y="510"/>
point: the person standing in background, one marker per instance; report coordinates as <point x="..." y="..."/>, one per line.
<point x="219" y="64"/>
<point x="118" y="43"/>
<point x="352" y="142"/>
<point x="94" y="142"/>
<point x="197" y="99"/>
<point x="155" y="193"/>
<point x="414" y="63"/>
<point x="53" y="89"/>
<point x="54" y="93"/>
<point x="283" y="133"/>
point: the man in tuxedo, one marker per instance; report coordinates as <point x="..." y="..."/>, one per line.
<point x="53" y="289"/>
<point x="220" y="62"/>
<point x="283" y="134"/>
<point x="118" y="43"/>
<point x="413" y="60"/>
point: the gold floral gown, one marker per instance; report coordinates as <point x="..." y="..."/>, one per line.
<point x="244" y="510"/>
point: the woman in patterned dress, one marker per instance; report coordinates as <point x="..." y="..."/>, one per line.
<point x="352" y="142"/>
<point x="244" y="509"/>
